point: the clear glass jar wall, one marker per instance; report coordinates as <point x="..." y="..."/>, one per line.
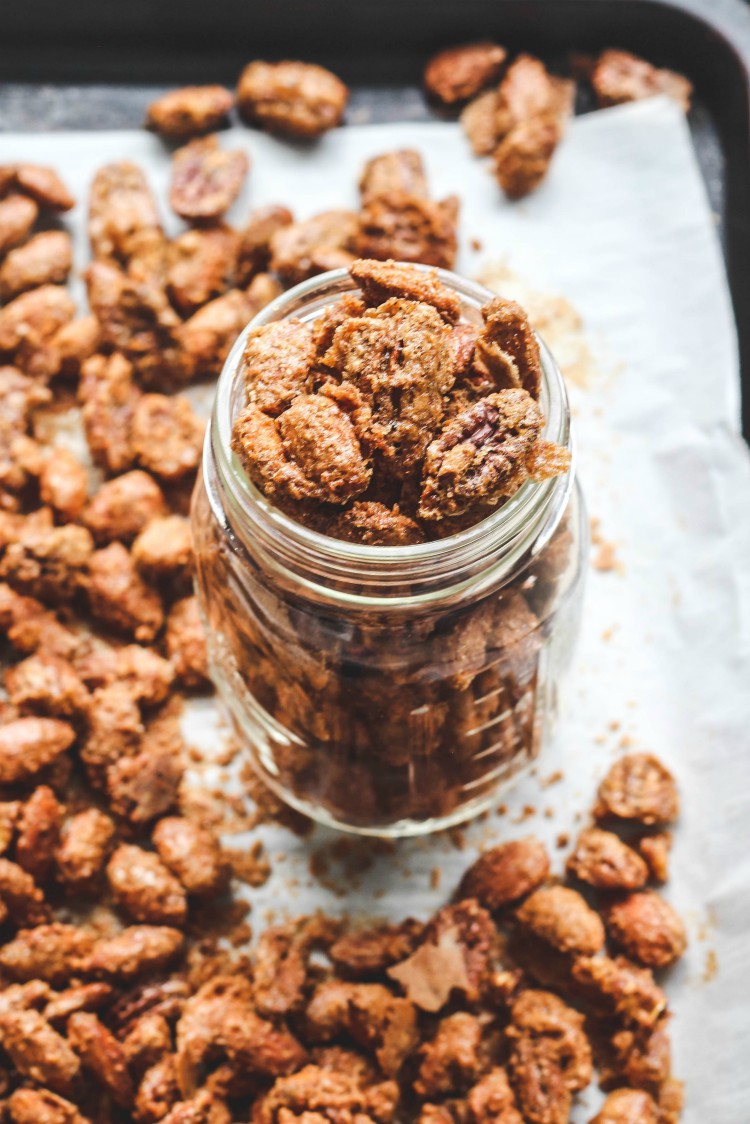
<point x="389" y="690"/>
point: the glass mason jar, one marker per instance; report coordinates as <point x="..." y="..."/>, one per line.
<point x="386" y="690"/>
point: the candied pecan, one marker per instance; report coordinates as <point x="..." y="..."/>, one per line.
<point x="164" y="549"/>
<point x="38" y="833"/>
<point x="523" y="157"/>
<point x="281" y="963"/>
<point x="193" y="853"/>
<point x="620" y="77"/>
<point x="18" y="214"/>
<point x="627" y="1106"/>
<point x="63" y="484"/>
<point x="122" y="507"/>
<point x="206" y="180"/>
<point x="263" y="289"/>
<point x="207" y="337"/>
<point x="491" y="1100"/>
<point x="80" y="997"/>
<point x="458" y="73"/>
<point x="145" y="786"/>
<point x="186" y="644"/>
<point x="453" y="1059"/>
<point x="29" y="744"/>
<point x="189" y="111"/>
<point x="297" y="99"/>
<point x="561" y="918"/>
<point x="83" y="849"/>
<point x="506" y="349"/>
<point x="148" y="1040"/>
<point x="375" y="1019"/>
<point x="550" y="1056"/>
<point x="301" y="249"/>
<point x="453" y="955"/>
<point x="54" y="953"/>
<point x="157" y="1092"/>
<point x="46" y="684"/>
<point x="254" y="253"/>
<point x="37" y="1051"/>
<point x="145" y="888"/>
<point x="635" y="1056"/>
<point x="398" y="361"/>
<point x="328" y="1094"/>
<point x="479" y="121"/>
<point x="276" y="365"/>
<point x="101" y="1055"/>
<point x="167" y="435"/>
<point x="655" y="849"/>
<point x="605" y="862"/>
<point x="359" y="954"/>
<point x="19" y="394"/>
<point x="204" y="1108"/>
<point x="29" y="627"/>
<point x="201" y="265"/>
<point x="400" y="170"/>
<point x="47" y="561"/>
<point x="10" y="810"/>
<point x="648" y="929"/>
<point x="369" y="522"/>
<point x="311" y="452"/>
<point x="406" y="227"/>
<point x="115" y="729"/>
<point x="135" y="951"/>
<point x="43" y="185"/>
<point x="479" y="457"/>
<point x="528" y="92"/>
<point x="123" y="218"/>
<point x="108" y="396"/>
<point x="40" y="1106"/>
<point x="46" y="259"/>
<point x="220" y="1016"/>
<point x="29" y="323"/>
<point x="506" y="873"/>
<point x="437" y="1114"/>
<point x="139" y="672"/>
<point x="639" y="788"/>
<point x="380" y="280"/>
<point x="118" y="596"/>
<point x="538" y="1081"/>
<point x="618" y="987"/>
<point x="72" y="345"/>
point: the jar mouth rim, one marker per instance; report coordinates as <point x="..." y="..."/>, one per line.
<point x="531" y="499"/>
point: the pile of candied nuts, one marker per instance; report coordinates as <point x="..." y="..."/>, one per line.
<point x="388" y="421"/>
<point x="115" y="1005"/>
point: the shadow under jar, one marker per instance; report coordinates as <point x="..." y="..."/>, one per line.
<point x="388" y="690"/>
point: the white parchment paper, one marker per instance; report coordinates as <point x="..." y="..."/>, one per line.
<point x="622" y="229"/>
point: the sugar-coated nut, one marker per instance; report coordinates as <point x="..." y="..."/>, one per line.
<point x="479" y="121"/>
<point x="40" y="1106"/>
<point x="38" y="833"/>
<point x="189" y="111"/>
<point x="30" y="321"/>
<point x="459" y="73"/>
<point x="647" y="928"/>
<point x="377" y="1020"/>
<point x="201" y="265"/>
<point x="491" y="1100"/>
<point x="21" y="896"/>
<point x="145" y="786"/>
<point x="627" y="1106"/>
<point x="122" y="212"/>
<point x="254" y="253"/>
<point x="523" y="157"/>
<point x="562" y="919"/>
<point x="655" y="851"/>
<point x="64" y="484"/>
<point x="122" y="507"/>
<point x="45" y="561"/>
<point x="400" y="170"/>
<point x="206" y="179"/>
<point x="46" y="259"/>
<point x="43" y="184"/>
<point x="453" y="1059"/>
<point x="18" y="214"/>
<point x="639" y="788"/>
<point x="145" y="888"/>
<point x="166" y="435"/>
<point x="118" y="596"/>
<point x="408" y="227"/>
<point x="83" y="850"/>
<point x="101" y="1055"/>
<point x="46" y="684"/>
<point x="276" y="365"/>
<point x="164" y="548"/>
<point x="186" y="644"/>
<point x="29" y="744"/>
<point x="619" y="76"/>
<point x="54" y="953"/>
<point x="38" y="1052"/>
<point x="620" y="988"/>
<point x="296" y="98"/>
<point x="506" y="873"/>
<point x="206" y="337"/>
<point x="193" y="853"/>
<point x="136" y="951"/>
<point x="108" y="394"/>
<point x="301" y="249"/>
<point x="605" y="862"/>
<point x="374" y="524"/>
<point x="381" y="280"/>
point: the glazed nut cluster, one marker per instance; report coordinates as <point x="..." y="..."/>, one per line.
<point x="390" y="396"/>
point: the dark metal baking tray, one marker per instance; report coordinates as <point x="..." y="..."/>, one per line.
<point x="95" y="64"/>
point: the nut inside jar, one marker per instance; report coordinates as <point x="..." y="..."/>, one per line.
<point x="389" y="545"/>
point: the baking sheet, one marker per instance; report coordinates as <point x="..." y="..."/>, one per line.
<point x="623" y="231"/>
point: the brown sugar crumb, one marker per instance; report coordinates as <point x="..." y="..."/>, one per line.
<point x="293" y="98"/>
<point x="605" y="558"/>
<point x="189" y="111"/>
<point x="251" y="867"/>
<point x="459" y="73"/>
<point x="619" y="76"/>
